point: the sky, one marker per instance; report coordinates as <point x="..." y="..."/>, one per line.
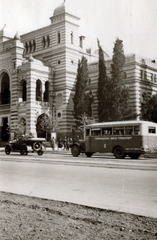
<point x="133" y="21"/>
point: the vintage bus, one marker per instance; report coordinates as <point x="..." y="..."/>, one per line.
<point x="122" y="138"/>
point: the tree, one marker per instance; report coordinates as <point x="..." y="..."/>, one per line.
<point x="118" y="61"/>
<point x="18" y="129"/>
<point x="83" y="121"/>
<point x="89" y="99"/>
<point x="119" y="95"/>
<point x="113" y="96"/>
<point x="82" y="100"/>
<point x="102" y="86"/>
<point x="149" y="107"/>
<point x="47" y="123"/>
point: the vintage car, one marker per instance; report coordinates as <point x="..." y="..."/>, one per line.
<point x="26" y="144"/>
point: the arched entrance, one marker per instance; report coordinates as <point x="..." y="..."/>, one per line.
<point x="4" y="130"/>
<point x="5" y="89"/>
<point x="4" y="99"/>
<point x="42" y="127"/>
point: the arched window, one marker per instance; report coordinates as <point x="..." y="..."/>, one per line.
<point x="5" y="89"/>
<point x="46" y="93"/>
<point x="24" y="91"/>
<point x="30" y="46"/>
<point x="59" y="37"/>
<point x="43" y="42"/>
<point x="38" y="90"/>
<point x="48" y="41"/>
<point x="72" y="37"/>
<point x="34" y="46"/>
<point x="124" y="75"/>
<point x="26" y="48"/>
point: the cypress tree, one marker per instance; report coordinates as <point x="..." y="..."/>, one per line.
<point x="118" y="61"/>
<point x="102" y="87"/>
<point x="119" y="96"/>
<point x="89" y="99"/>
<point x="81" y="103"/>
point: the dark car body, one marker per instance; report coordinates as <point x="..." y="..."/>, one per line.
<point x="25" y="145"/>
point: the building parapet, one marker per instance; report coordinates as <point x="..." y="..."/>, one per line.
<point x="140" y="59"/>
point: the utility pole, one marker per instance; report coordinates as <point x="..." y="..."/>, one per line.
<point x="53" y="104"/>
<point x="52" y="107"/>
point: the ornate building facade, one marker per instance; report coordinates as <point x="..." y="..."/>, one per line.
<point x="38" y="74"/>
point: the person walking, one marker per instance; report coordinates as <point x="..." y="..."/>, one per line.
<point x="68" y="143"/>
<point x="65" y="143"/>
<point x="52" y="143"/>
<point x="60" y="144"/>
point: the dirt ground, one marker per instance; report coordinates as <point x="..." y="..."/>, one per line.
<point x="30" y="218"/>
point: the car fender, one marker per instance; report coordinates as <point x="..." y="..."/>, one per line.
<point x="9" y="145"/>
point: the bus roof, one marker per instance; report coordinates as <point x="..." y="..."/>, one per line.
<point x="123" y="123"/>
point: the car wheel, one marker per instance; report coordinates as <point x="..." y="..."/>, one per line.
<point x="40" y="152"/>
<point x="119" y="152"/>
<point x="24" y="150"/>
<point x="7" y="150"/>
<point x="37" y="146"/>
<point x="75" y="151"/>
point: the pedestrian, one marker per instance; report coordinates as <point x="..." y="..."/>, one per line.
<point x="60" y="143"/>
<point x="65" y="143"/>
<point x="52" y="143"/>
<point x="68" y="143"/>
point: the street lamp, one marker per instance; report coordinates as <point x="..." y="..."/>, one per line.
<point x="52" y="110"/>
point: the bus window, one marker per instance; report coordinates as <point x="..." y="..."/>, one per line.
<point x="136" y="130"/>
<point x="87" y="132"/>
<point x="106" y="131"/>
<point x="151" y="130"/>
<point x="129" y="130"/>
<point x="96" y="132"/>
<point x="118" y="131"/>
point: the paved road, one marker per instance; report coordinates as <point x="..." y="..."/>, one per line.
<point x="122" y="189"/>
<point x="97" y="160"/>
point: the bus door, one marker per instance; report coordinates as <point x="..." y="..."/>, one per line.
<point x="88" y="140"/>
<point x="95" y="140"/>
<point x="106" y="139"/>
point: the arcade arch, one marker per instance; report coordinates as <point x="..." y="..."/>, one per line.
<point x="38" y="90"/>
<point x="42" y="126"/>
<point x="5" y="88"/>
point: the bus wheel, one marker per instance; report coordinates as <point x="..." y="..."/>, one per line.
<point x="88" y="154"/>
<point x="75" y="151"/>
<point x="134" y="155"/>
<point x="118" y="152"/>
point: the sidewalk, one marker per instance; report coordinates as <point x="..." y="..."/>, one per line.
<point x="56" y="150"/>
